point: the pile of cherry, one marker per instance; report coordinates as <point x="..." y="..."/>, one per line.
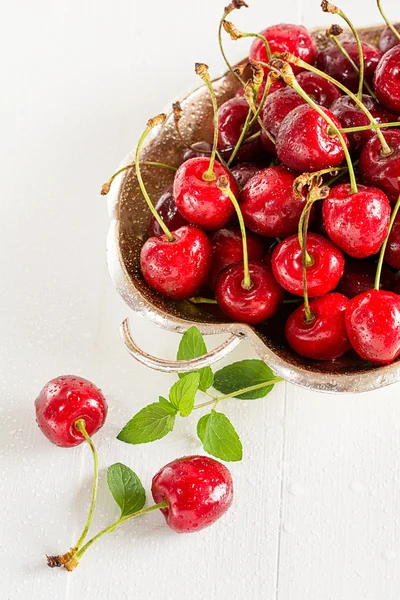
<point x="297" y="199"/>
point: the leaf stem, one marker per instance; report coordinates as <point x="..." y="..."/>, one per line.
<point x="383" y="247"/>
<point x="216" y="399"/>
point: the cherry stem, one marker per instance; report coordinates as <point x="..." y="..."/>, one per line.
<point x="385" y="243"/>
<point x="309" y="317"/>
<point x="221" y="47"/>
<point x="201" y="300"/>
<point x="202" y="70"/>
<point x="360" y="53"/>
<point x="147" y="163"/>
<point x="151" y="123"/>
<point x="223" y="185"/>
<point x="241" y="137"/>
<point x="81" y="427"/>
<point x="367" y="127"/>
<point x="74" y="561"/>
<point x="388" y="23"/>
<point x="353" y="64"/>
<point x="268" y="84"/>
<point x="386" y="150"/>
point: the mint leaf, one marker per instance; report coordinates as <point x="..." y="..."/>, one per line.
<point x="126" y="488"/>
<point x="219" y="437"/>
<point x="167" y="405"/>
<point x="151" y="423"/>
<point x="244" y="374"/>
<point x="192" y="345"/>
<point x="183" y="392"/>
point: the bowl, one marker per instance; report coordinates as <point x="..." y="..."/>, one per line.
<point x="129" y="216"/>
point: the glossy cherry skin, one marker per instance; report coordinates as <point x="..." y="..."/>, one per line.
<point x="177" y="269"/>
<point x="304" y="144"/>
<point x="269" y="205"/>
<point x="169" y="213"/>
<point x="351" y="116"/>
<point x="201" y="202"/>
<point x="322" y="277"/>
<point x="232" y="115"/>
<point x="285" y="38"/>
<point x="198" y="489"/>
<point x="278" y="106"/>
<point x="334" y="63"/>
<point x="392" y="254"/>
<point x="379" y="170"/>
<point x="357" y="223"/>
<point x="373" y="326"/>
<point x="387" y="80"/>
<point x="251" y="306"/>
<point x="319" y="89"/>
<point x="198" y="149"/>
<point x="243" y="172"/>
<point x="62" y="402"/>
<point x="388" y="39"/>
<point x="227" y="248"/>
<point x="325" y="337"/>
<point x="359" y="277"/>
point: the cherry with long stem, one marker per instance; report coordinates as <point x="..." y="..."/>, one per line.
<point x="384" y="245"/>
<point x="388" y="23"/>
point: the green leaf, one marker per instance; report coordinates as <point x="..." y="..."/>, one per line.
<point x="219" y="437"/>
<point x="183" y="392"/>
<point x="167" y="405"/>
<point x="244" y="374"/>
<point x="126" y="488"/>
<point x="192" y="345"/>
<point x="151" y="423"/>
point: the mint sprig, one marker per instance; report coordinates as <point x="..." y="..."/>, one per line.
<point x="219" y="437"/>
<point x="192" y="345"/>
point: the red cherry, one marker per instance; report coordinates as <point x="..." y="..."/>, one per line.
<point x="387" y="80"/>
<point x="392" y="254"/>
<point x="359" y="277"/>
<point x="351" y="116"/>
<point x="197" y="149"/>
<point x="232" y="115"/>
<point x="201" y="202"/>
<point x="322" y="276"/>
<point x="357" y="223"/>
<point x="167" y="210"/>
<point x="388" y="39"/>
<point x="285" y="38"/>
<point x="325" y="337"/>
<point x="198" y="489"/>
<point x="243" y="172"/>
<point x="62" y="402"/>
<point x="252" y="305"/>
<point x="379" y="170"/>
<point x="373" y="326"/>
<point x="321" y="90"/>
<point x="228" y="249"/>
<point x="333" y="62"/>
<point x="278" y="106"/>
<point x="179" y="268"/>
<point x="304" y="142"/>
<point x="269" y="205"/>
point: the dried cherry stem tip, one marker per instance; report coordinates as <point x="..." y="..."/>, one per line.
<point x="201" y="69"/>
<point x="223" y="185"/>
<point x="235" y="34"/>
<point x="384" y="245"/>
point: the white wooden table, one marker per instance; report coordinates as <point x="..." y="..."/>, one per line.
<point x="317" y="508"/>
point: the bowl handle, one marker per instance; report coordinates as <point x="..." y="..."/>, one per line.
<point x="176" y="366"/>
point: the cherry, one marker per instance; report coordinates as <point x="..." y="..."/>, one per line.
<point x="243" y="172"/>
<point x="387" y="80"/>
<point x="248" y="305"/>
<point x="357" y="222"/>
<point x="269" y="205"/>
<point x="333" y="62"/>
<point x="380" y="170"/>
<point x="199" y="200"/>
<point x="392" y="254"/>
<point x="285" y="38"/>
<point x="388" y="40"/>
<point x="351" y="115"/>
<point x="305" y="143"/>
<point x="319" y="89"/>
<point x="227" y="249"/>
<point x="359" y="277"/>
<point x="324" y="337"/>
<point x="167" y="210"/>
<point x="277" y="107"/>
<point x="373" y="326"/>
<point x="178" y="268"/>
<point x="65" y="400"/>
<point x="201" y="148"/>
<point x="198" y="489"/>
<point x="232" y="116"/>
<point x="323" y="274"/>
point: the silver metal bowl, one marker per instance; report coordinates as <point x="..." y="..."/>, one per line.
<point x="129" y="218"/>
